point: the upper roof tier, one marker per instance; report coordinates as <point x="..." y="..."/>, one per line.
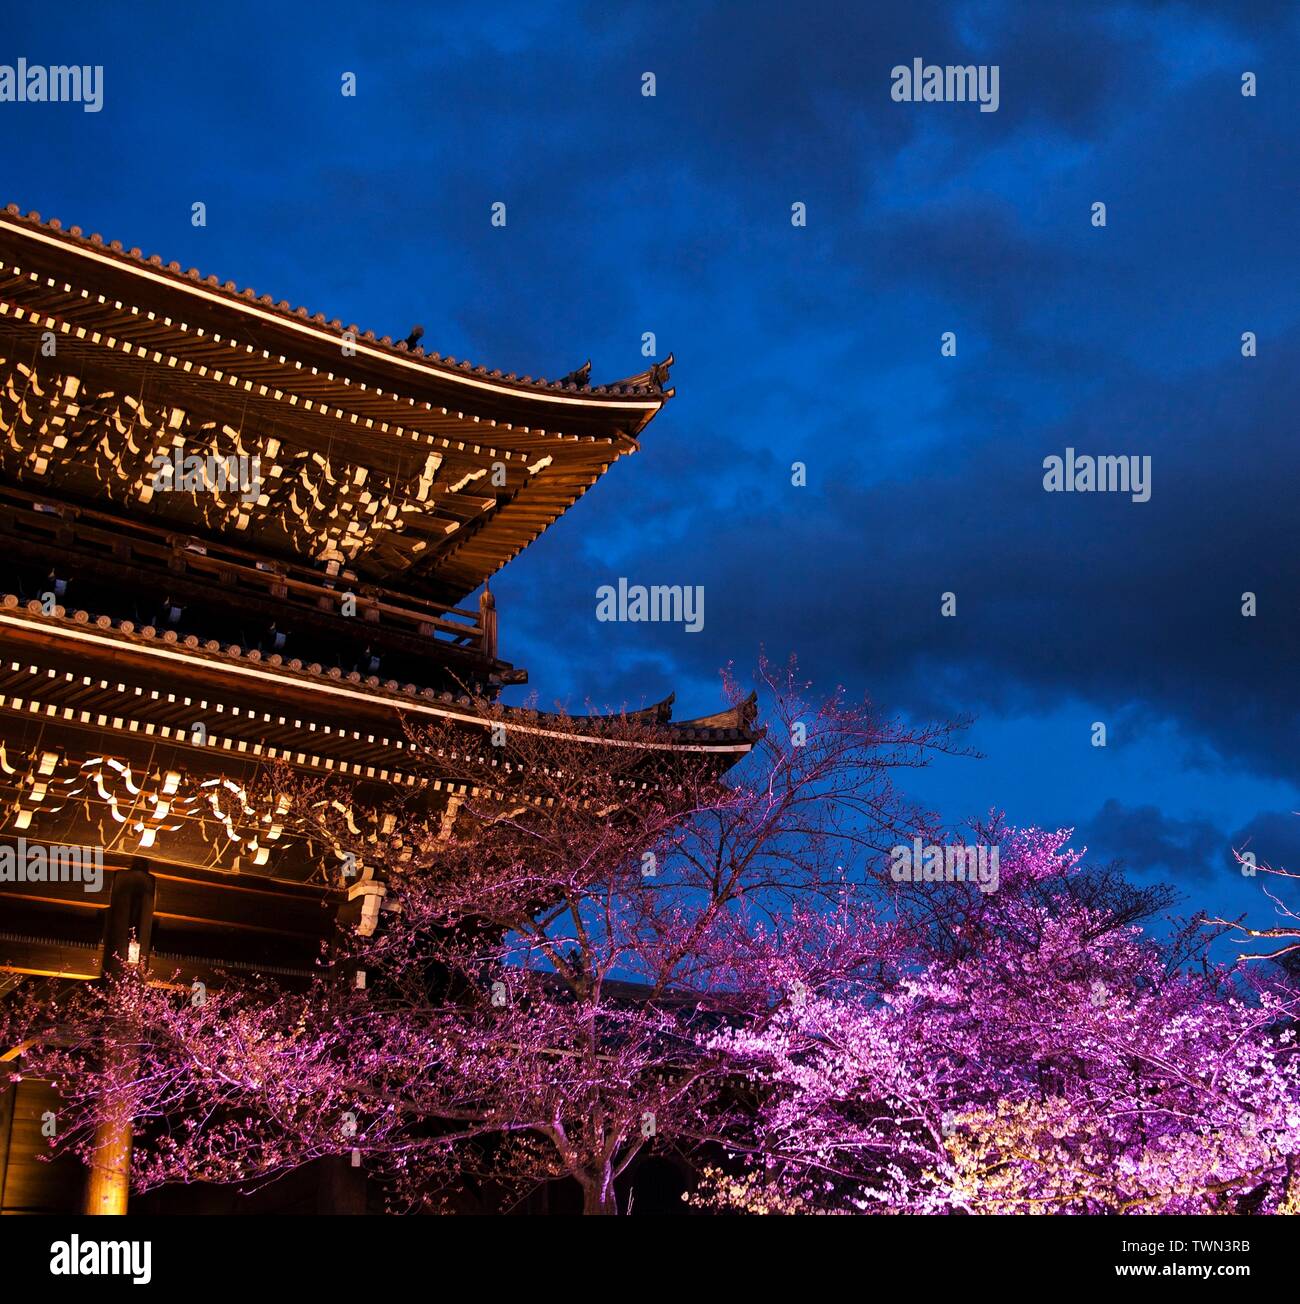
<point x="413" y="470"/>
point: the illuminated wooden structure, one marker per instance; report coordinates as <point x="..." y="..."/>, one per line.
<point x="160" y="646"/>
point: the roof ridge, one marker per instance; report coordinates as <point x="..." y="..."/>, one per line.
<point x="642" y="385"/>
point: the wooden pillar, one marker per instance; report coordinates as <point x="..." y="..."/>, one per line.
<point x="341" y="1188"/>
<point x="129" y="917"/>
<point x="130" y="920"/>
<point x="108" y="1184"/>
<point x="487" y="618"/>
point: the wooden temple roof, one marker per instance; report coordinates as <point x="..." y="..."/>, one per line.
<point x="384" y="458"/>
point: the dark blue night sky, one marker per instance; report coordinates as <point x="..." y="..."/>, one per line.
<point x="821" y="344"/>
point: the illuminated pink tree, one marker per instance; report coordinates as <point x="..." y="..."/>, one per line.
<point x="1048" y="1058"/>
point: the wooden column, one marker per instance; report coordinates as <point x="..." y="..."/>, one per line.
<point x="341" y="1188"/>
<point x="130" y="919"/>
<point x="487" y="617"/>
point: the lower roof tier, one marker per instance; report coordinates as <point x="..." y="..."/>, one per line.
<point x="136" y="741"/>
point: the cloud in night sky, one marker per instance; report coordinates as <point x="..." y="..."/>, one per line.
<point x="1147" y="841"/>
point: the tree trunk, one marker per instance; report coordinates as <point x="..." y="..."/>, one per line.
<point x="598" y="1195"/>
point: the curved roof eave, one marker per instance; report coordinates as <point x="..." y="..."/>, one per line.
<point x="734" y="737"/>
<point x="636" y="401"/>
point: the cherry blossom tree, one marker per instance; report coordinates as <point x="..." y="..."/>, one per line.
<point x="1055" y="1059"/>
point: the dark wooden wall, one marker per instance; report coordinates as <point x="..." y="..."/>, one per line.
<point x="30" y="1183"/>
